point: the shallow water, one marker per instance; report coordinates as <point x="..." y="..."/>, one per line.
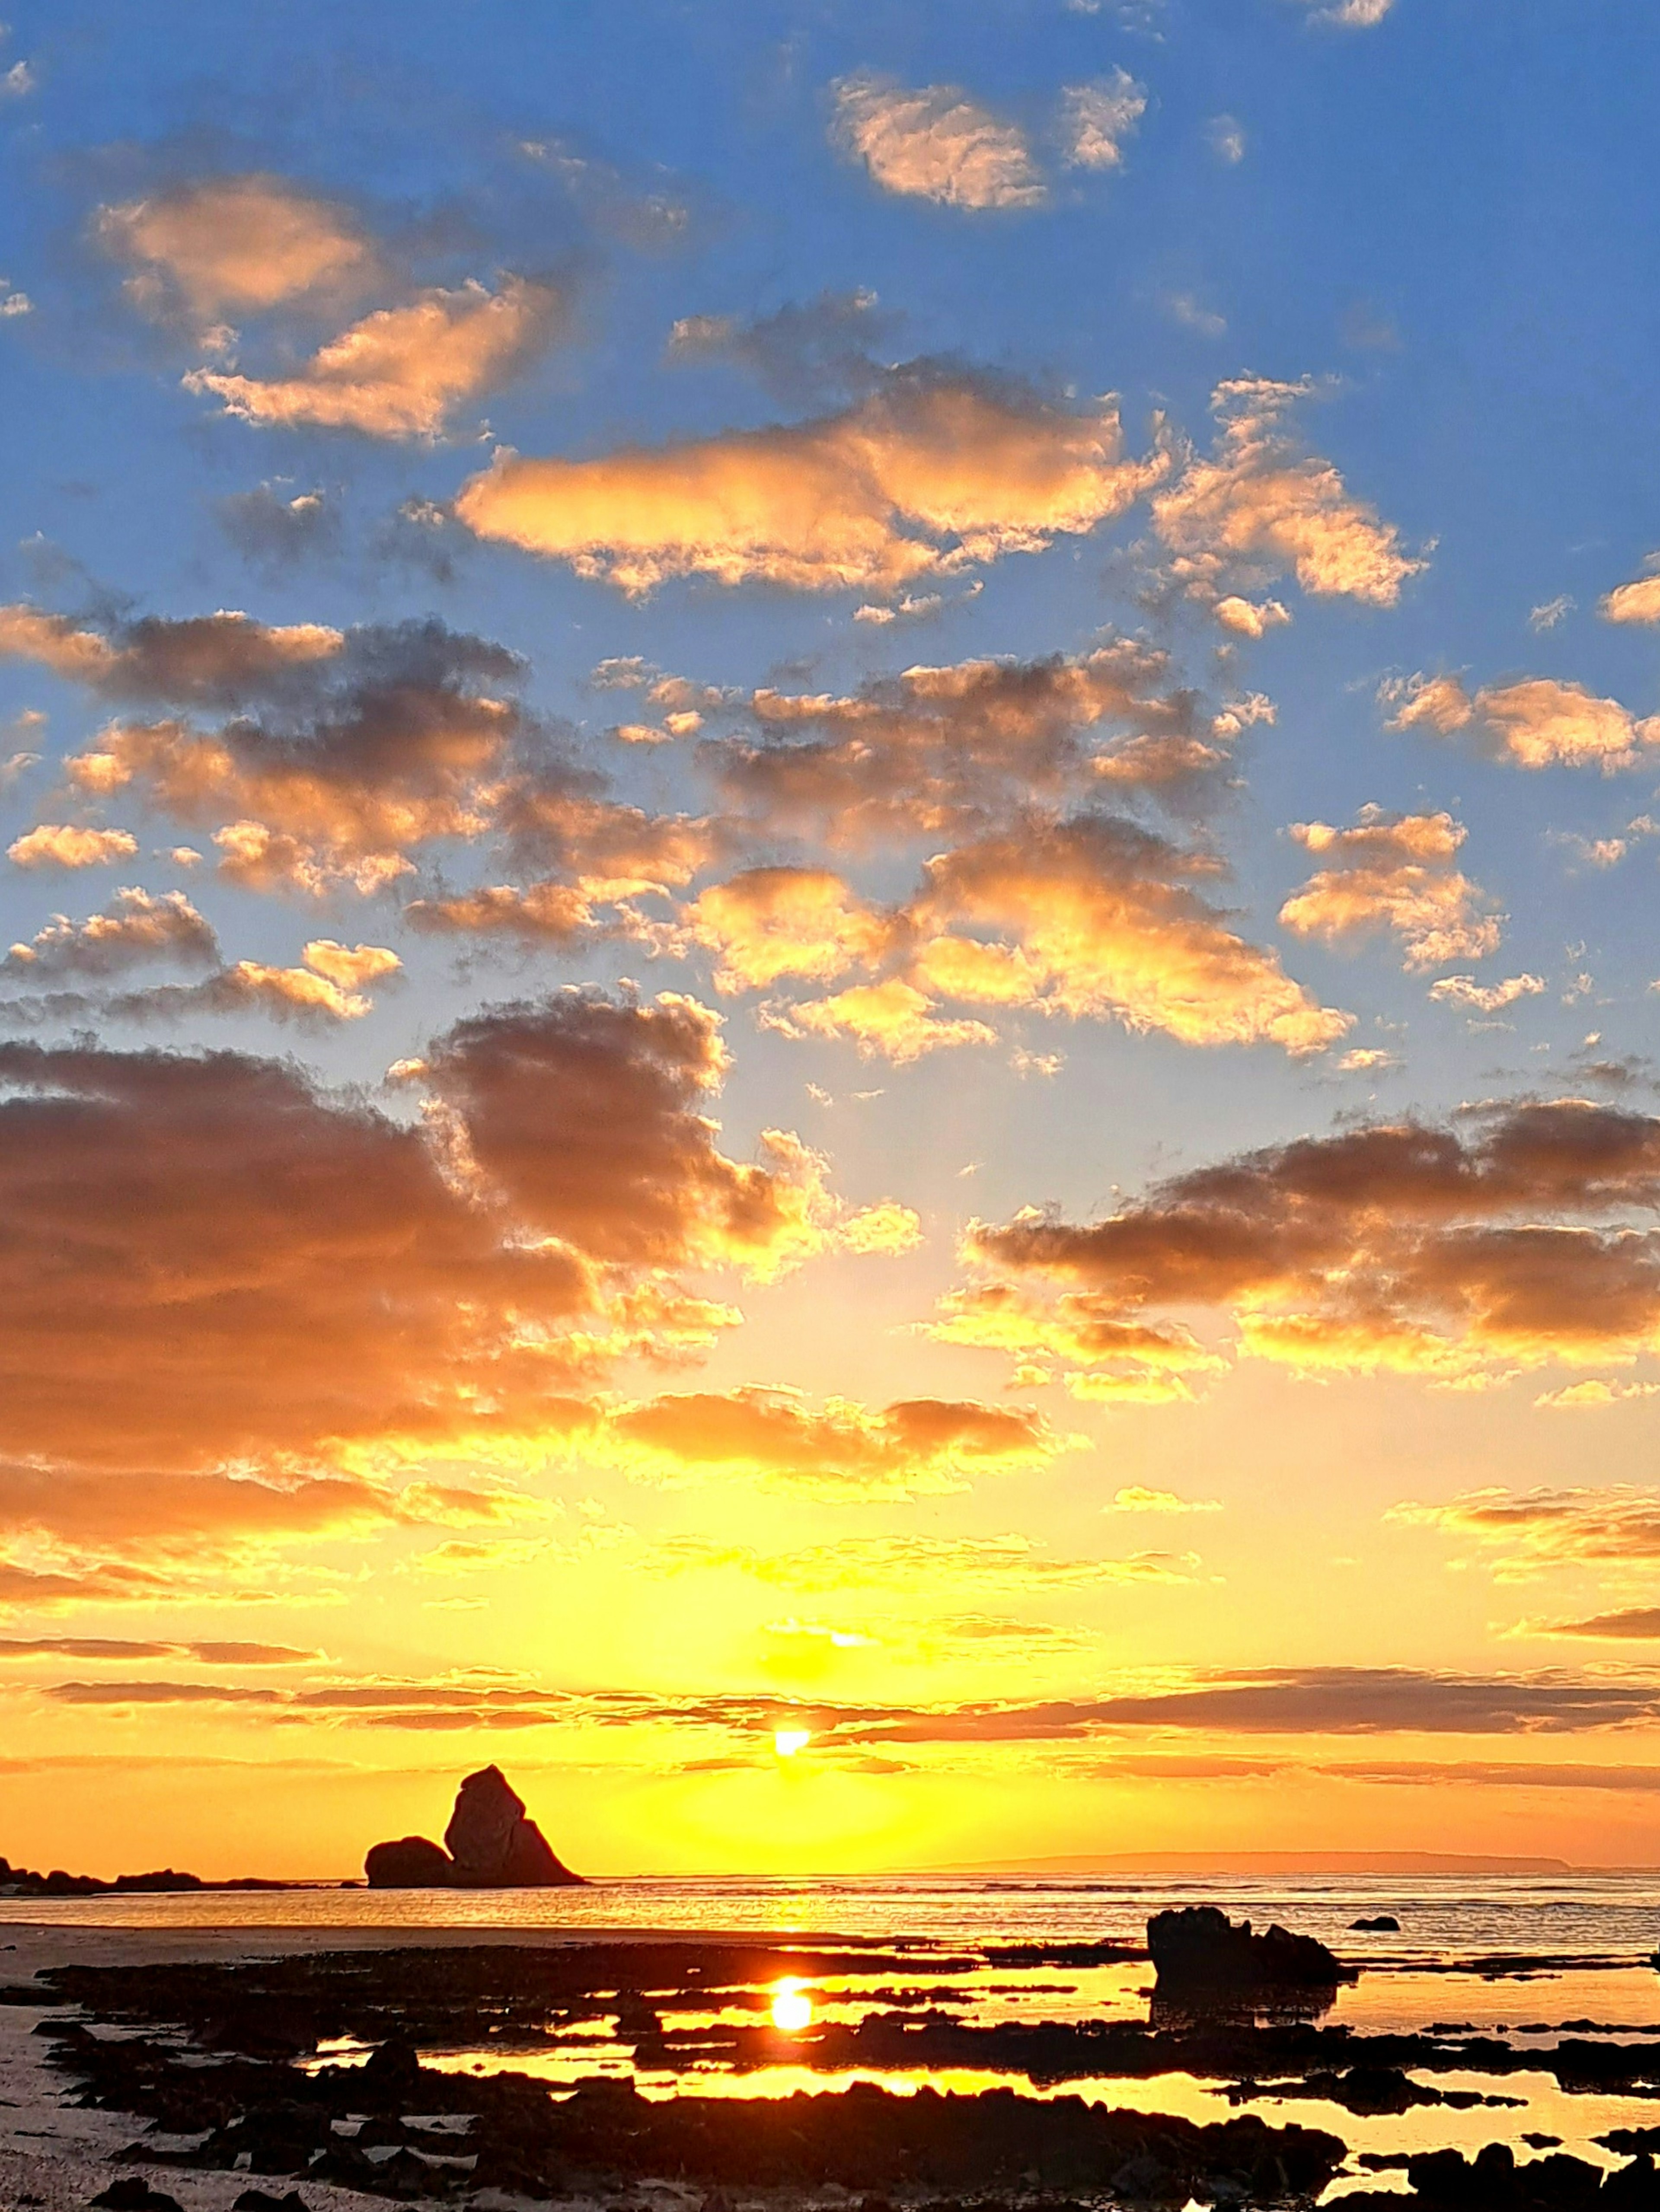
<point x="1525" y="1958"/>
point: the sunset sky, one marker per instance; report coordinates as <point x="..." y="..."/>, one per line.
<point x="830" y="840"/>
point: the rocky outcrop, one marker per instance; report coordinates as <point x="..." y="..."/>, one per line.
<point x="412" y="1863"/>
<point x="1198" y="1950"/>
<point x="488" y="1844"/>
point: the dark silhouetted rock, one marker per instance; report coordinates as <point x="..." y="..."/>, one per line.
<point x="1381" y="1923"/>
<point x="412" y="1862"/>
<point x="1199" y="1949"/>
<point x="261" y="2200"/>
<point x="132" y="2193"/>
<point x="492" y="1845"/>
<point x="392" y="2070"/>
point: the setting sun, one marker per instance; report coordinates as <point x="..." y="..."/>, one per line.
<point x="788" y="1741"/>
<point x="791" y="2008"/>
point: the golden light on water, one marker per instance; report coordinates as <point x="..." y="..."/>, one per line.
<point x="791" y="2008"/>
<point x="788" y="1741"/>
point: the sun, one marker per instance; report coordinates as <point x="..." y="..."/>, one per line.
<point x="788" y="1741"/>
<point x="791" y="2008"/>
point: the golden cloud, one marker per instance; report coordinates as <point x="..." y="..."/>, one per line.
<point x="1537" y="723"/>
<point x="63" y="845"/>
<point x="402" y="372"/>
<point x="1259" y="499"/>
<point x="928" y="475"/>
<point x="1394" y="872"/>
<point x="136" y="927"/>
<point x="1520" y="1238"/>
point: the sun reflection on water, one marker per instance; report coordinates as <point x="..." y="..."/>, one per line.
<point x="791" y="2008"/>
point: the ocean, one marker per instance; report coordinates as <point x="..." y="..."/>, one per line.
<point x="1534" y="1959"/>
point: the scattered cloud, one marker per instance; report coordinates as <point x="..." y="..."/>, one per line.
<point x="1519" y="1235"/>
<point x="134" y="928"/>
<point x="936" y="471"/>
<point x="1485" y="998"/>
<point x="1552" y="612"/>
<point x="1610" y="1527"/>
<point x="403" y="372"/>
<point x="803" y="352"/>
<point x="934" y="142"/>
<point x="64" y="845"/>
<point x="1096" y="119"/>
<point x="1636" y="602"/>
<point x="1261" y="504"/>
<point x="274" y="529"/>
<point x="1393" y="873"/>
<point x="1226" y="136"/>
<point x="201" y="251"/>
<point x="1537" y="723"/>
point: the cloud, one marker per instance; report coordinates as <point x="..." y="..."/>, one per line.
<point x="63" y="845"/>
<point x="1638" y="602"/>
<point x="937" y="752"/>
<point x="919" y="1446"/>
<point x="215" y="661"/>
<point x="134" y="928"/>
<point x="1261" y="501"/>
<point x="1632" y="1623"/>
<point x="234" y="246"/>
<point x="1380" y="1701"/>
<point x="1578" y="1397"/>
<point x="1351" y="15"/>
<point x="935" y="472"/>
<point x="919" y="1564"/>
<point x="1137" y="1498"/>
<point x="1520" y="1236"/>
<point x="890" y="1020"/>
<point x="1394" y="872"/>
<point x="209" y="1260"/>
<point x="274" y="532"/>
<point x="805" y="351"/>
<point x="1106" y="924"/>
<point x="768" y="923"/>
<point x="1613" y="1527"/>
<point x="1225" y="135"/>
<point x="933" y="143"/>
<point x="114" y="1647"/>
<point x="343" y="751"/>
<point x="1485" y="998"/>
<point x="403" y="372"/>
<point x="587" y="1116"/>
<point x="1096" y="119"/>
<point x="1537" y="723"/>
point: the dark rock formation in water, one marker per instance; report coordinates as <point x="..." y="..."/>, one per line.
<point x="488" y="1844"/>
<point x="1380" y="1923"/>
<point x="24" y="1882"/>
<point x="412" y="1863"/>
<point x="1198" y="1950"/>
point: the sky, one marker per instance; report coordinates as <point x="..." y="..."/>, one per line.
<point x="829" y="836"/>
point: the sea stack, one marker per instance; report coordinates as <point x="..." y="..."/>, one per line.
<point x="488" y="1844"/>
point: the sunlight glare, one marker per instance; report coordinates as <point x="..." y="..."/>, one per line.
<point x="788" y="1741"/>
<point x="791" y="2008"/>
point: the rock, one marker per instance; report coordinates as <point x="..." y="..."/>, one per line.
<point x="1381" y="1923"/>
<point x="132" y="2193"/>
<point x="412" y="1862"/>
<point x="392" y="2071"/>
<point x="492" y="1845"/>
<point x="261" y="2200"/>
<point x="1199" y="1948"/>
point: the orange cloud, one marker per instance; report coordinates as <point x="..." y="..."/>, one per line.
<point x="63" y="845"/>
<point x="934" y="142"/>
<point x="1096" y="119"/>
<point x="930" y="474"/>
<point x="1104" y="916"/>
<point x="136" y="927"/>
<point x="773" y="923"/>
<point x="218" y="660"/>
<point x="1394" y="872"/>
<point x="208" y="1259"/>
<point x="1638" y="602"/>
<point x="1517" y="1239"/>
<point x="402" y="372"/>
<point x="1260" y="500"/>
<point x="1538" y="723"/>
<point x="891" y="1019"/>
<point x="920" y="1447"/>
<point x="232" y="246"/>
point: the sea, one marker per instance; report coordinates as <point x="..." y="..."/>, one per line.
<point x="1533" y="1958"/>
